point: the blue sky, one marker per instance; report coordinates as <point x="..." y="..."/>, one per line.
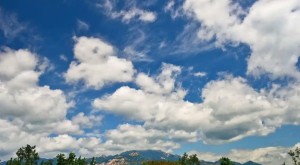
<point x="179" y="76"/>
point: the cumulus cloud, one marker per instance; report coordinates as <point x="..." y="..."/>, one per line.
<point x="163" y="83"/>
<point x="231" y="109"/>
<point x="30" y="113"/>
<point x="271" y="34"/>
<point x="87" y="121"/>
<point x="97" y="65"/>
<point x="266" y="156"/>
<point x="127" y="15"/>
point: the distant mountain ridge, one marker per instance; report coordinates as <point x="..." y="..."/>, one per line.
<point x="143" y="155"/>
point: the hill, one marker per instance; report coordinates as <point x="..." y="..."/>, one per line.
<point x="144" y="155"/>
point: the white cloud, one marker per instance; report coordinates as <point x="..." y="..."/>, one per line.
<point x="13" y="62"/>
<point x="127" y="15"/>
<point x="231" y="109"/>
<point x="63" y="57"/>
<point x="200" y="74"/>
<point x="142" y="15"/>
<point x="174" y="12"/>
<point x="82" y="25"/>
<point x="87" y="121"/>
<point x="10" y="25"/>
<point x="30" y="113"/>
<point x="271" y="34"/>
<point x="266" y="156"/>
<point x="162" y="83"/>
<point x="97" y="65"/>
<point x="188" y="42"/>
<point x="135" y="50"/>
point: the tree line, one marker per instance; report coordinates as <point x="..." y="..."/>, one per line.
<point x="29" y="156"/>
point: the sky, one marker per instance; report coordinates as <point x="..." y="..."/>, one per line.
<point x="211" y="77"/>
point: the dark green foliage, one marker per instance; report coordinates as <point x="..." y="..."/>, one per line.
<point x="49" y="162"/>
<point x="61" y="159"/>
<point x="14" y="161"/>
<point x="93" y="162"/>
<point x="295" y="156"/>
<point x="161" y="163"/>
<point x="226" y="161"/>
<point x="189" y="160"/>
<point x="28" y="155"/>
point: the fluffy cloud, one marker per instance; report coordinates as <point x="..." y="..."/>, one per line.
<point x="161" y="84"/>
<point x="97" y="65"/>
<point x="30" y="113"/>
<point x="231" y="109"/>
<point x="267" y="156"/>
<point x="271" y="34"/>
<point x="87" y="121"/>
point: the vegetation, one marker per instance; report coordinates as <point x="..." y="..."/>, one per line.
<point x="226" y="161"/>
<point x="295" y="156"/>
<point x="28" y="156"/>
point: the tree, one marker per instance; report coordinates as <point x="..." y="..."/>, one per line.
<point x="189" y="160"/>
<point x="28" y="155"/>
<point x="193" y="160"/>
<point x="71" y="159"/>
<point x="295" y="156"/>
<point x="49" y="162"/>
<point x="93" y="162"/>
<point x="61" y="159"/>
<point x="183" y="160"/>
<point x="226" y="161"/>
<point x="14" y="161"/>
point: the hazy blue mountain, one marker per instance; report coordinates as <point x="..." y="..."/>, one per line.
<point x="143" y="155"/>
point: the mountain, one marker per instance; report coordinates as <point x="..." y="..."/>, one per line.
<point x="144" y="155"/>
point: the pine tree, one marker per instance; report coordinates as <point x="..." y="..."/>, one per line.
<point x="93" y="162"/>
<point x="226" y="161"/>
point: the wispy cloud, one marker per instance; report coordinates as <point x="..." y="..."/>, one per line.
<point x="187" y="42"/>
<point x="10" y="25"/>
<point x="175" y="12"/>
<point x="200" y="74"/>
<point x="130" y="12"/>
<point x="63" y="57"/>
<point x="137" y="49"/>
<point x="82" y="26"/>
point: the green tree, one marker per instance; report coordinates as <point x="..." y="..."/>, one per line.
<point x="193" y="160"/>
<point x="49" y="162"/>
<point x="28" y="155"/>
<point x="71" y="159"/>
<point x="183" y="160"/>
<point x="93" y="162"/>
<point x="295" y="156"/>
<point x="61" y="159"/>
<point x="226" y="161"/>
<point x="14" y="161"/>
